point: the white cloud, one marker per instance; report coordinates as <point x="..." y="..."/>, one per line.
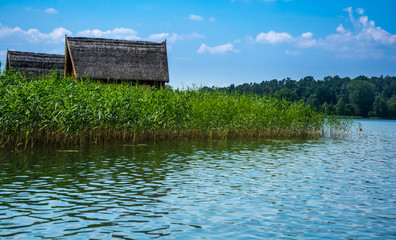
<point x="340" y="29"/>
<point x="158" y="36"/>
<point x="305" y="40"/>
<point x="273" y="37"/>
<point x="174" y="37"/>
<point x="360" y="11"/>
<point x="353" y="20"/>
<point x="348" y="9"/>
<point x="365" y="40"/>
<point x="51" y="11"/>
<point x="377" y="34"/>
<point x="212" y="19"/>
<point x="363" y="20"/>
<point x="364" y="35"/>
<point x="117" y="33"/>
<point x="193" y="17"/>
<point x="307" y="35"/>
<point x="220" y="49"/>
<point x="57" y="36"/>
<point x="33" y="35"/>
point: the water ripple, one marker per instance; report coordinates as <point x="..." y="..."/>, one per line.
<point x="281" y="189"/>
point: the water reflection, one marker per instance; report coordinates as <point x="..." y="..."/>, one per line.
<point x="323" y="188"/>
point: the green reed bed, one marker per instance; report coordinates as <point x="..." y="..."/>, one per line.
<point x="62" y="110"/>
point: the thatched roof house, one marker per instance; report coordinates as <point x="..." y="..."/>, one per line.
<point x="115" y="60"/>
<point x="37" y="64"/>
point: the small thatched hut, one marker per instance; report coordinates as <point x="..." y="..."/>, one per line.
<point x="117" y="60"/>
<point x="36" y="64"/>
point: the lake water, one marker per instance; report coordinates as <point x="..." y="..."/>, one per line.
<point x="340" y="188"/>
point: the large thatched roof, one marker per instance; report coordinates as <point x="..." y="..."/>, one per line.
<point x="104" y="59"/>
<point x="34" y="63"/>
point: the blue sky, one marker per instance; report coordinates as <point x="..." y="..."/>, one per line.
<point x="221" y="42"/>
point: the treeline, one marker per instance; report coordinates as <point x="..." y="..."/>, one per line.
<point x="361" y="96"/>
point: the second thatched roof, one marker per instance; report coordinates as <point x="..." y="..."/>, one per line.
<point x="112" y="59"/>
<point x="37" y="64"/>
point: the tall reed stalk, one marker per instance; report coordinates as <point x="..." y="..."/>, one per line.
<point x="54" y="109"/>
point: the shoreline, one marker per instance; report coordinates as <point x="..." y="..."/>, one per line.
<point x="60" y="110"/>
<point x="98" y="137"/>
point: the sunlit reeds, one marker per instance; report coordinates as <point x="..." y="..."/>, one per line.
<point x="54" y="109"/>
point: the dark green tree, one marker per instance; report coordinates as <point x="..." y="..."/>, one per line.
<point x="313" y="101"/>
<point x="325" y="94"/>
<point x="341" y="107"/>
<point x="389" y="91"/>
<point x="379" y="107"/>
<point x="327" y="109"/>
<point x="288" y="94"/>
<point x="361" y="95"/>
<point x="344" y="108"/>
<point x="391" y="105"/>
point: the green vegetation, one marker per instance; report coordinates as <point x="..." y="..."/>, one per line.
<point x="65" y="111"/>
<point x="362" y="96"/>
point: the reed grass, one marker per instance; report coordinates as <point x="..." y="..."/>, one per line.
<point x="61" y="110"/>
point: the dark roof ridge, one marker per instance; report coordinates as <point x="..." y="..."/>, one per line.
<point x="108" y="40"/>
<point x="34" y="53"/>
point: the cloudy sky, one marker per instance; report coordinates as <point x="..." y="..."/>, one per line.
<point x="221" y="42"/>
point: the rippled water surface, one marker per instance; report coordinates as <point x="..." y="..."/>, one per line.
<point x="341" y="188"/>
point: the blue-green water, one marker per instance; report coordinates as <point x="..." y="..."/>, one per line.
<point x="340" y="188"/>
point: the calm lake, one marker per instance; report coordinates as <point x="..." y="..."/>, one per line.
<point x="340" y="188"/>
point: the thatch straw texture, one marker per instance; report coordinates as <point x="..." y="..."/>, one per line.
<point x="37" y="64"/>
<point x="111" y="59"/>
